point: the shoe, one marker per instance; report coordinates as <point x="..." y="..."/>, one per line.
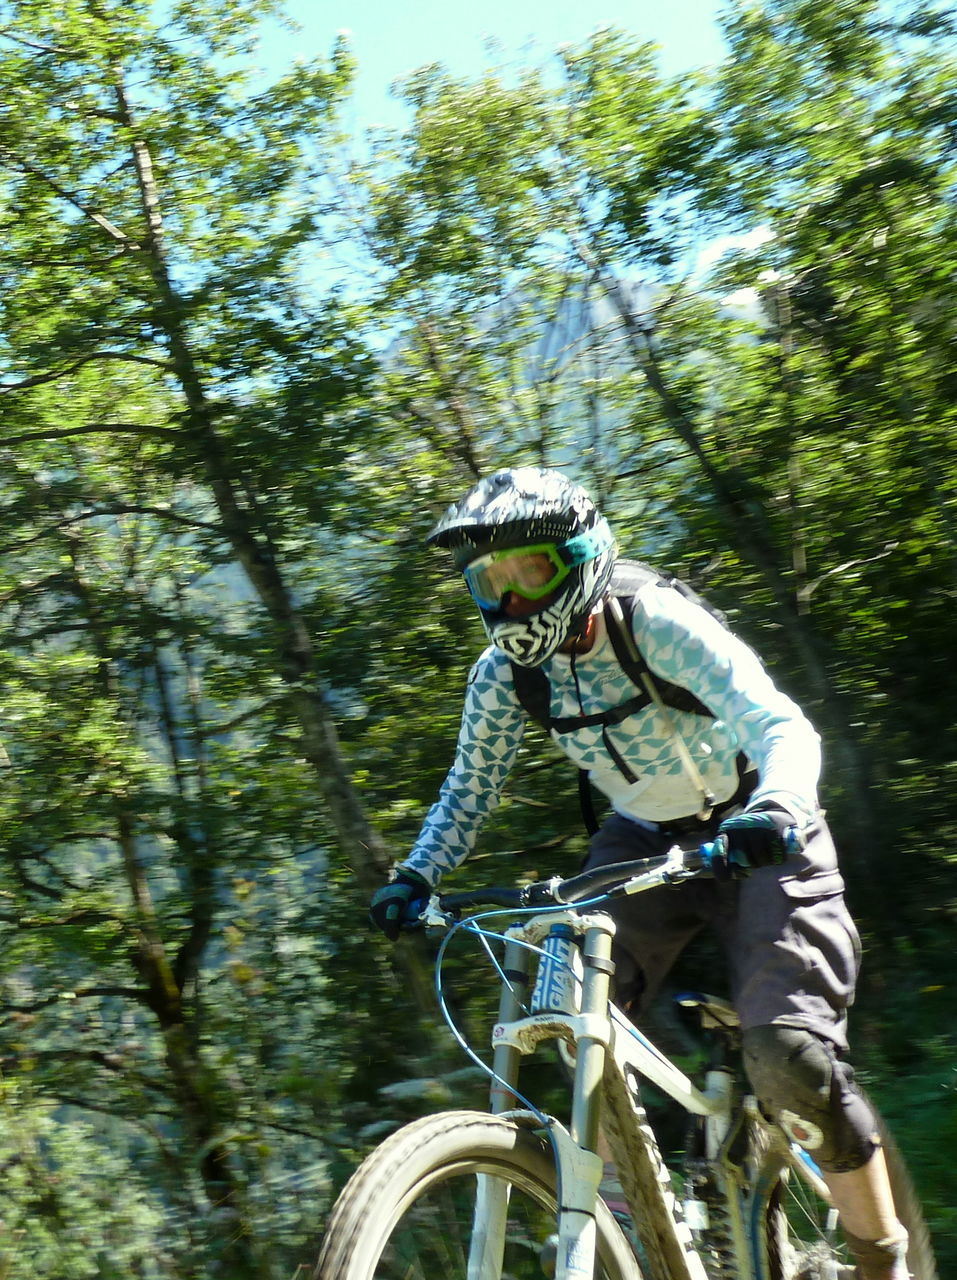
<point x="879" y="1259"/>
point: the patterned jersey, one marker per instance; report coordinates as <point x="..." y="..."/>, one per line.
<point x="682" y="643"/>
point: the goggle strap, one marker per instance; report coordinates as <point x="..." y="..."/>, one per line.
<point x="588" y="545"/>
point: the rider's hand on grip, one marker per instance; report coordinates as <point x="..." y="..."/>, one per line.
<point x="754" y="838"/>
<point x="399" y="903"/>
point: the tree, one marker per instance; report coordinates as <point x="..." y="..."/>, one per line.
<point x="225" y="645"/>
<point x="169" y="263"/>
<point x="157" y="351"/>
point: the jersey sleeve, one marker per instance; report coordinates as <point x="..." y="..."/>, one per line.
<point x="683" y="643"/>
<point x="492" y="729"/>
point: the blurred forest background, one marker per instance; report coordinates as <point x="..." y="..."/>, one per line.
<point x="246" y="361"/>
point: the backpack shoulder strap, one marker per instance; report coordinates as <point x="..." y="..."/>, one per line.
<point x="534" y="692"/>
<point x="619" y="611"/>
<point x="618" y="620"/>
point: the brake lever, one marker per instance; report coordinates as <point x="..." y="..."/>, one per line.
<point x="685" y="864"/>
<point x="432" y="915"/>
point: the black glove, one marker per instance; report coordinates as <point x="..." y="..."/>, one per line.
<point x="390" y="904"/>
<point x="754" y="838"/>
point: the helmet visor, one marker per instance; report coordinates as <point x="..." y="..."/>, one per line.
<point x="531" y="571"/>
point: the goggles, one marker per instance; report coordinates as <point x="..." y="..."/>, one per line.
<point x="532" y="571"/>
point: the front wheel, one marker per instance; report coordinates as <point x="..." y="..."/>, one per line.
<point x="407" y="1212"/>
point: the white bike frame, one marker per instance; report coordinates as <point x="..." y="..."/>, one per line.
<point x="609" y="1057"/>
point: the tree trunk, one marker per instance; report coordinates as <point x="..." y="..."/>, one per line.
<point x="198" y="1092"/>
<point x="244" y="527"/>
<point x="250" y="541"/>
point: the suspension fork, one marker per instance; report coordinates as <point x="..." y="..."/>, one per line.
<point x="487" y="1247"/>
<point x="512" y="1000"/>
<point x="579" y="1165"/>
<point x="591" y="1049"/>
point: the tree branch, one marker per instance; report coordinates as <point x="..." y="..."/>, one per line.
<point x="7" y="34"/>
<point x="94" y="428"/>
<point x="162" y="513"/>
<point x="809" y="588"/>
<point x="41" y="378"/>
<point x="112" y="509"/>
<point x="229" y="726"/>
<point x="19" y="162"/>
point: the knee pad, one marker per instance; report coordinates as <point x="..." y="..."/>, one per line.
<point x="802" y="1084"/>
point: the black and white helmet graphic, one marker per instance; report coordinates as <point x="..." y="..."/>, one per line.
<point x="533" y="507"/>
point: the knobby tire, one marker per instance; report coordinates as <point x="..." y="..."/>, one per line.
<point x="399" y="1213"/>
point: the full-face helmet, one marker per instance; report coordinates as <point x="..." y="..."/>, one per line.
<point x="533" y="532"/>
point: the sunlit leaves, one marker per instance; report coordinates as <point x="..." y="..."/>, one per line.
<point x="531" y="284"/>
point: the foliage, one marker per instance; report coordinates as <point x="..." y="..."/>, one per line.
<point x="71" y="1206"/>
<point x="232" y="673"/>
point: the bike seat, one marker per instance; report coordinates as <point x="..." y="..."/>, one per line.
<point x="713" y="1011"/>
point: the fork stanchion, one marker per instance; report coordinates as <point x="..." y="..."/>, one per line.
<point x="576" y="1231"/>
<point x="596" y="982"/>
<point x="514" y="993"/>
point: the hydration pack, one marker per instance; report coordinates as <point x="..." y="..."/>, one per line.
<point x="533" y="689"/>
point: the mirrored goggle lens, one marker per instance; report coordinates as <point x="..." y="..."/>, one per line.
<point x="532" y="572"/>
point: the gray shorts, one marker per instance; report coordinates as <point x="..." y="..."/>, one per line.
<point x="792" y="949"/>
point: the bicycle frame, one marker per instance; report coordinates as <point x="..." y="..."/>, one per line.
<point x="750" y="1205"/>
<point x="609" y="1057"/>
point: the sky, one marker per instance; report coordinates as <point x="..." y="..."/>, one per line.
<point x="390" y="38"/>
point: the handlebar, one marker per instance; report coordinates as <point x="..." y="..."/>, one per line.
<point x="614" y="880"/>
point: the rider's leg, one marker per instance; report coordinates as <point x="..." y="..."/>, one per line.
<point x="799" y="1080"/>
<point x="794" y="954"/>
<point x="862" y="1197"/>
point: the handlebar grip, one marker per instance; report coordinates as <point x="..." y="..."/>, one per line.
<point x="711" y="849"/>
<point x="482" y="897"/>
<point x="413" y="910"/>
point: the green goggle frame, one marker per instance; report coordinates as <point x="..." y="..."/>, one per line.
<point x="524" y="569"/>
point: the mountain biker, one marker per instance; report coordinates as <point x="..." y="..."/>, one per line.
<point x="539" y="561"/>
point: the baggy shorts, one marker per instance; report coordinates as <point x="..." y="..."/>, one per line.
<point x="792" y="949"/>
